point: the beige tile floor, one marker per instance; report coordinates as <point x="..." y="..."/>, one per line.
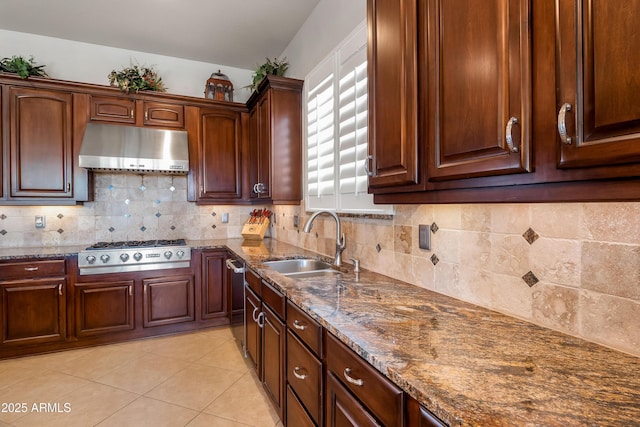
<point x="195" y="379"/>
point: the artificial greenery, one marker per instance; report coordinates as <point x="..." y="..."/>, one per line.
<point x="22" y="67"/>
<point x="135" y="79"/>
<point x="275" y="67"/>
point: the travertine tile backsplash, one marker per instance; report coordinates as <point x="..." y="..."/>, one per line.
<point x="126" y="207"/>
<point x="569" y="267"/>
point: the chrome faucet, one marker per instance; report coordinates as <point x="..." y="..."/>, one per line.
<point x="340" y="239"/>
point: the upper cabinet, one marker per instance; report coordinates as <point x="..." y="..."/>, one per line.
<point x="136" y="112"/>
<point x="40" y="143"/>
<point x="476" y="93"/>
<point x="274" y="152"/>
<point x="598" y="82"/>
<point x="503" y="100"/>
<point x="215" y="138"/>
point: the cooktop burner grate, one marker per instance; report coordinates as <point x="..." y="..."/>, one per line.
<point x="137" y="244"/>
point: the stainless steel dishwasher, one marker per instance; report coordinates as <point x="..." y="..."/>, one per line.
<point x="236" y="269"/>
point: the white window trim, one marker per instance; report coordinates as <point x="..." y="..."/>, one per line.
<point x="355" y="203"/>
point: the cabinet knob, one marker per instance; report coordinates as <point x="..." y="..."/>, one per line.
<point x="562" y="123"/>
<point x="509" y="134"/>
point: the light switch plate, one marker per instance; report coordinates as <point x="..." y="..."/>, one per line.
<point x="41" y="221"/>
<point x="296" y="221"/>
<point x="424" y="236"/>
<point x="225" y="217"/>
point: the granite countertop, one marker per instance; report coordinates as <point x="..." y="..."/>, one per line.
<point x="468" y="365"/>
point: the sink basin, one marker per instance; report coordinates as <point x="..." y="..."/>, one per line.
<point x="299" y="266"/>
<point x="316" y="273"/>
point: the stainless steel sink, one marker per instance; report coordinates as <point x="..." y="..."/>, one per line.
<point x="303" y="274"/>
<point x="300" y="266"/>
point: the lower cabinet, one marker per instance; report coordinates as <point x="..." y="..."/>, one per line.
<point x="104" y="307"/>
<point x="168" y="300"/>
<point x="266" y="337"/>
<point x="33" y="311"/>
<point x="214" y="286"/>
<point x="419" y="416"/>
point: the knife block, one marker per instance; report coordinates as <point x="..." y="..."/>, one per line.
<point x="255" y="231"/>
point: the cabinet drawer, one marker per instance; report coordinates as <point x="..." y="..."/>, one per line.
<point x="32" y="269"/>
<point x="304" y="374"/>
<point x="308" y="330"/>
<point x="254" y="282"/>
<point x="296" y="415"/>
<point x="274" y="299"/>
<point x="378" y="394"/>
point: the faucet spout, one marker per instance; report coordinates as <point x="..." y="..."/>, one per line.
<point x="340" y="238"/>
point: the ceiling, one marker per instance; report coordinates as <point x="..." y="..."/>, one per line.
<point x="239" y="33"/>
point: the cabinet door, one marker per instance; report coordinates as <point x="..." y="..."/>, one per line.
<point x="33" y="311"/>
<point x="214" y="285"/>
<point x="219" y="163"/>
<point x="477" y="92"/>
<point x="260" y="148"/>
<point x="168" y="300"/>
<point x="598" y="82"/>
<point x="344" y="410"/>
<point x="40" y="142"/>
<point x="253" y="331"/>
<point x="112" y="109"/>
<point x="104" y="307"/>
<point x="393" y="92"/>
<point x="163" y="114"/>
<point x="273" y="358"/>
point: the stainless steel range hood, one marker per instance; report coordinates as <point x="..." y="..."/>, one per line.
<point x="108" y="147"/>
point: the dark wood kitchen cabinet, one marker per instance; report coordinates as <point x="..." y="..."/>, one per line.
<point x="266" y="337"/>
<point x="357" y="394"/>
<point x="216" y="140"/>
<point x="275" y="142"/>
<point x="419" y="416"/>
<point x="104" y="307"/>
<point x="40" y="139"/>
<point x="214" y="287"/>
<point x="136" y="112"/>
<point x="598" y="82"/>
<point x="168" y="300"/>
<point x="33" y="307"/>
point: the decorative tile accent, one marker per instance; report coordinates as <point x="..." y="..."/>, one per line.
<point x="143" y="228"/>
<point x="60" y="216"/>
<point x="111" y="187"/>
<point x="158" y="214"/>
<point x="172" y="188"/>
<point x="173" y="227"/>
<point x="378" y="247"/>
<point x="214" y="226"/>
<point x="127" y="215"/>
<point x="530" y="236"/>
<point x="434" y="259"/>
<point x="213" y="213"/>
<point x="434" y="227"/>
<point x="530" y="279"/>
<point x="127" y="201"/>
<point x="60" y="230"/>
<point x="318" y="235"/>
<point x="3" y="232"/>
<point x="111" y="229"/>
<point x="157" y="201"/>
<point x="3" y="216"/>
<point x="142" y="188"/>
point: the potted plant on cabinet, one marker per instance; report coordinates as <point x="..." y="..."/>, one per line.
<point x="276" y="67"/>
<point x="22" y="67"/>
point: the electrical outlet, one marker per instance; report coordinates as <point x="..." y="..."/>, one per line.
<point x="296" y="221"/>
<point x="424" y="237"/>
<point x="225" y="217"/>
<point x="41" y="221"/>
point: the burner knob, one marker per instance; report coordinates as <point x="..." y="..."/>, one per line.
<point x="168" y="254"/>
<point x="124" y="257"/>
<point x="91" y="259"/>
<point x="180" y="253"/>
<point x="137" y="256"/>
<point x="105" y="258"/>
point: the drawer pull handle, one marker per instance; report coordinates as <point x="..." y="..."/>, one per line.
<point x="60" y="289"/>
<point x="299" y="326"/>
<point x="347" y="375"/>
<point x="509" y="134"/>
<point x="31" y="269"/>
<point x="562" y="123"/>
<point x="261" y="320"/>
<point x="255" y="317"/>
<point x="298" y="375"/>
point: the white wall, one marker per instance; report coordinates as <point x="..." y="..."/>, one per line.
<point x="89" y="63"/>
<point x="329" y="23"/>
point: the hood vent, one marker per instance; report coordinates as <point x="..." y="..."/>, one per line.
<point x="115" y="148"/>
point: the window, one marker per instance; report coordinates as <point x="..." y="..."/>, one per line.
<point x="336" y="130"/>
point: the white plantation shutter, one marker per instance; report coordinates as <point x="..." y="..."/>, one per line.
<point x="337" y="120"/>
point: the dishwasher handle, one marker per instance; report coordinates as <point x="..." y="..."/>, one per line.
<point x="232" y="264"/>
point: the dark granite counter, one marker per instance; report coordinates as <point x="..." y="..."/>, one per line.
<point x="468" y="365"/>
